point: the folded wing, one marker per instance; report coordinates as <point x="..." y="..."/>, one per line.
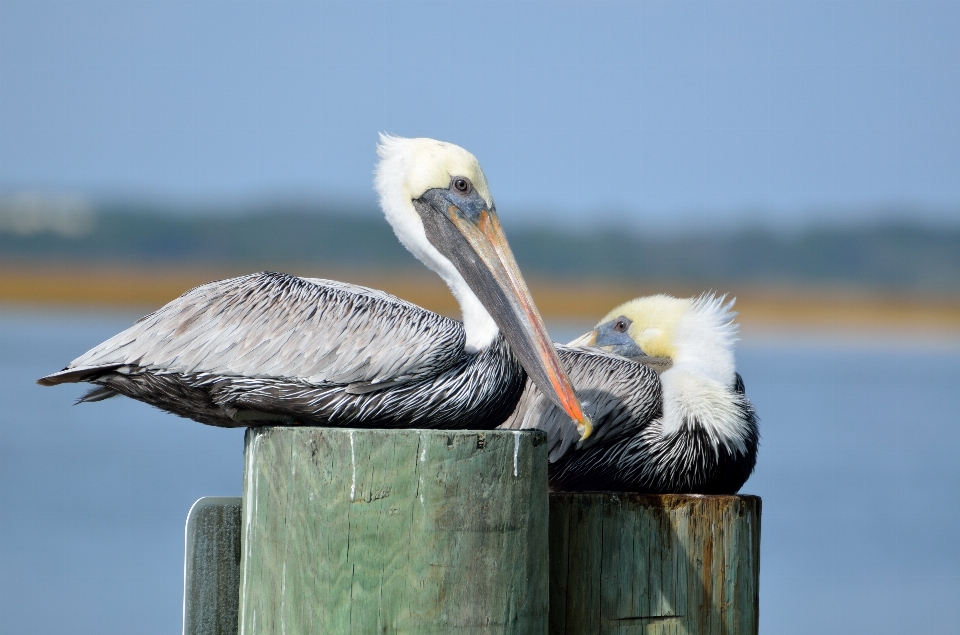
<point x="271" y="325"/>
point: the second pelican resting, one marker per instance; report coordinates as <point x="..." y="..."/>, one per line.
<point x="666" y="402"/>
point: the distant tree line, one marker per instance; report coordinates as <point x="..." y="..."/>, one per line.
<point x="885" y="256"/>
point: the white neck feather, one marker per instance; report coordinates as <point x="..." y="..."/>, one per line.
<point x="704" y="339"/>
<point x="699" y="385"/>
<point x="398" y="208"/>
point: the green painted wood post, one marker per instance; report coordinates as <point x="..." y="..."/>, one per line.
<point x="393" y="531"/>
<point x="211" y="571"/>
<point x="624" y="564"/>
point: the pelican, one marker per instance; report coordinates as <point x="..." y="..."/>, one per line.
<point x="658" y="381"/>
<point x="270" y="348"/>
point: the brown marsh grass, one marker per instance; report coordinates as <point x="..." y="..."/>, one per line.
<point x="146" y="288"/>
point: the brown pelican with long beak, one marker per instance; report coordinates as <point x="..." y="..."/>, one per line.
<point x="657" y="378"/>
<point x="269" y="348"/>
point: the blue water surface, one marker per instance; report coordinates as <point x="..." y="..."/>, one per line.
<point x="859" y="472"/>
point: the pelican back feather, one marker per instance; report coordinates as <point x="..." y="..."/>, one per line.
<point x="272" y="325"/>
<point x="269" y="349"/>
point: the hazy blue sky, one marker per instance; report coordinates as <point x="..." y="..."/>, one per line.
<point x="660" y="109"/>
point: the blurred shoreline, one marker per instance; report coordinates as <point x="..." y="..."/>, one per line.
<point x="764" y="311"/>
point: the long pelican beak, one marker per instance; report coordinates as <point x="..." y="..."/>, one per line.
<point x="475" y="243"/>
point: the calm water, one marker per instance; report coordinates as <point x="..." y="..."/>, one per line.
<point x="859" y="472"/>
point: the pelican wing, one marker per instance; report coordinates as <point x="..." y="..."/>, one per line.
<point x="617" y="394"/>
<point x="280" y="326"/>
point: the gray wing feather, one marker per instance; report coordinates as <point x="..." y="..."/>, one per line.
<point x="617" y="394"/>
<point x="274" y="325"/>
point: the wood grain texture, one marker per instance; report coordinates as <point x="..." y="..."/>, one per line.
<point x="394" y="531"/>
<point x="624" y="564"/>
<point x="212" y="567"/>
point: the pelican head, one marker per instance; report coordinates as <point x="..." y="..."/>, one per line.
<point x="689" y="342"/>
<point x="661" y="331"/>
<point x="436" y="197"/>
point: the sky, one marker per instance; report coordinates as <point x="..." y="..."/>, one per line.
<point x="674" y="112"/>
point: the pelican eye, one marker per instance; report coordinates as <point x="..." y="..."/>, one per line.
<point x="620" y="326"/>
<point x="461" y="185"/>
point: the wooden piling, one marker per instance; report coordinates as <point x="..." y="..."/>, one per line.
<point x="211" y="572"/>
<point x="625" y="563"/>
<point x="400" y="531"/>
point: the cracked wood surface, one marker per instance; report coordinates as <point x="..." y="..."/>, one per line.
<point x="622" y="564"/>
<point x="394" y="531"/>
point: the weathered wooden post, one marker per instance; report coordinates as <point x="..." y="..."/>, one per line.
<point x="626" y="563"/>
<point x="400" y="531"/>
<point x="371" y="552"/>
<point x="211" y="572"/>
